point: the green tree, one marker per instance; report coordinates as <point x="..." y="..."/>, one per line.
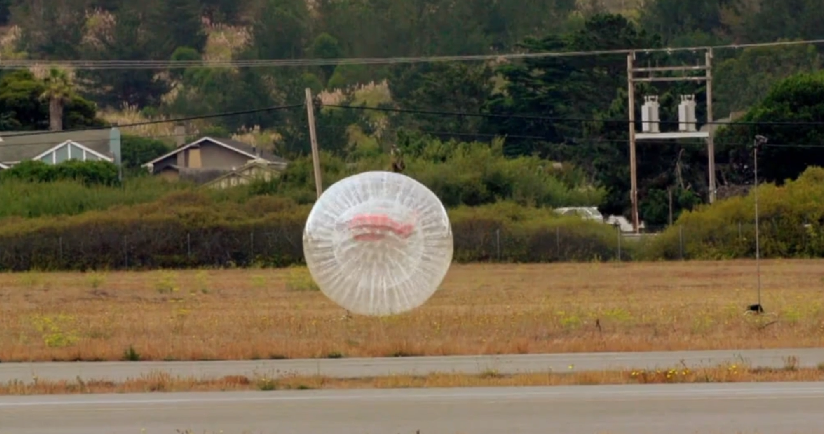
<point x="59" y="91"/>
<point x="568" y="88"/>
<point x="792" y="147"/>
<point x="5" y="11"/>
<point x="762" y="67"/>
<point x="791" y="19"/>
<point x="282" y="29"/>
<point x="325" y="46"/>
<point x="50" y="29"/>
<point x="444" y="87"/>
<point x="674" y="18"/>
<point x="585" y="101"/>
<point x="176" y="23"/>
<point x="225" y="11"/>
<point x="138" y="150"/>
<point x="22" y="102"/>
<point x="130" y="39"/>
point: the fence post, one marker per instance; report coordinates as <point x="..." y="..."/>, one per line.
<point x="558" y="241"/>
<point x="681" y="241"/>
<point x="618" y="230"/>
<point x="189" y="245"/>
<point x="498" y="242"/>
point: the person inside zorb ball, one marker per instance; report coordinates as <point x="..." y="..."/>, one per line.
<point x="378" y="243"/>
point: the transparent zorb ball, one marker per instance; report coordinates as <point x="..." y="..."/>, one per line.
<point x="378" y="243"/>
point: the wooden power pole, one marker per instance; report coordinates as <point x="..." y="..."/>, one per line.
<point x="310" y="113"/>
<point x="710" y="141"/>
<point x="687" y="122"/>
<point x="633" y="168"/>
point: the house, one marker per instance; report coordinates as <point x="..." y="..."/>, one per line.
<point x="216" y="162"/>
<point x="54" y="147"/>
<point x="255" y="169"/>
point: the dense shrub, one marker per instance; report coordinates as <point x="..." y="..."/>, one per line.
<point x="87" y="172"/>
<point x="469" y="174"/>
<point x="66" y="197"/>
<point x="791" y="225"/>
<point x="138" y="150"/>
<point x="459" y="173"/>
<point x="193" y="229"/>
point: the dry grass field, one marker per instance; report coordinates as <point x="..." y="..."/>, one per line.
<point x="161" y="382"/>
<point x="481" y="309"/>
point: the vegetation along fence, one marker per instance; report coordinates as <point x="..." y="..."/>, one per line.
<point x="172" y="243"/>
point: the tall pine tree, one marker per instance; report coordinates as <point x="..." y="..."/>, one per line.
<point x="177" y="23"/>
<point x="127" y="40"/>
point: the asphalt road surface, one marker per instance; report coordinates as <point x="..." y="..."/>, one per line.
<point x="775" y="408"/>
<point x="350" y="368"/>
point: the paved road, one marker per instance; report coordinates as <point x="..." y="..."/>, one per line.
<point x="775" y="408"/>
<point x="350" y="368"/>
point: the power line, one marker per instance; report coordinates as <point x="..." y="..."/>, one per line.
<point x="410" y="111"/>
<point x="563" y="119"/>
<point x="261" y="63"/>
<point x="573" y="140"/>
<point x="153" y="122"/>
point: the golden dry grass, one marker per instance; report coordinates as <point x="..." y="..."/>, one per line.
<point x="162" y="382"/>
<point x="481" y="309"/>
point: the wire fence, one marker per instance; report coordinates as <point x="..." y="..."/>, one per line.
<point x="143" y="248"/>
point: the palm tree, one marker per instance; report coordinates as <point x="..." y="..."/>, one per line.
<point x="59" y="90"/>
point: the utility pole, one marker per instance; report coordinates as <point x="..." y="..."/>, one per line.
<point x="757" y="143"/>
<point x="710" y="142"/>
<point x="686" y="116"/>
<point x="633" y="193"/>
<point x="310" y="113"/>
<point x="115" y="149"/>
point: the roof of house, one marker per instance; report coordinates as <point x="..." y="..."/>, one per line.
<point x="230" y="144"/>
<point x="230" y="174"/>
<point x="238" y="171"/>
<point x="25" y="145"/>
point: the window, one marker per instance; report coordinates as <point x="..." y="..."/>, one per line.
<point x="61" y="154"/>
<point x="77" y="153"/>
<point x="70" y="151"/>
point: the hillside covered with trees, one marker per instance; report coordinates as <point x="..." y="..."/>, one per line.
<point x="452" y="119"/>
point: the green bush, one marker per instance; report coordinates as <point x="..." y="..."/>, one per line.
<point x="194" y="229"/>
<point x="138" y="150"/>
<point x="459" y="173"/>
<point x="791" y="225"/>
<point x="470" y="174"/>
<point x="68" y="197"/>
<point x="87" y="172"/>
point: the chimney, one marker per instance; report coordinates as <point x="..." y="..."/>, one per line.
<point x="180" y="135"/>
